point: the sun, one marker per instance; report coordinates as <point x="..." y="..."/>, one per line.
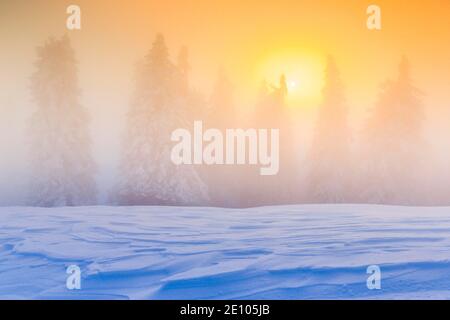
<point x="303" y="72"/>
<point x="292" y="85"/>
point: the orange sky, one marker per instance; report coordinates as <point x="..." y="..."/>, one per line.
<point x="240" y="34"/>
<point x="246" y="37"/>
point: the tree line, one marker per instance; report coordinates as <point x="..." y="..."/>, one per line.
<point x="385" y="167"/>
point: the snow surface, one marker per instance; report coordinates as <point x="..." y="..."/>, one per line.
<point x="284" y="252"/>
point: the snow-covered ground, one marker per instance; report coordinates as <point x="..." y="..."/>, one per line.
<point x="286" y="252"/>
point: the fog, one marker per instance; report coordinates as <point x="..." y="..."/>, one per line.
<point x="247" y="40"/>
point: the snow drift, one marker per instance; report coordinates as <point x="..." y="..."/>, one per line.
<point x="285" y="252"/>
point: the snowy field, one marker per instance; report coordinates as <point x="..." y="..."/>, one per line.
<point x="288" y="252"/>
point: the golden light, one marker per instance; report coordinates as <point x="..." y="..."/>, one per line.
<point x="304" y="74"/>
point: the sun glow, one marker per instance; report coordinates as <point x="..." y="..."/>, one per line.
<point x="303" y="71"/>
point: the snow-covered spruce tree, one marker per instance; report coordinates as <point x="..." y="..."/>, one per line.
<point x="147" y="174"/>
<point x="329" y="177"/>
<point x="271" y="113"/>
<point x="394" y="146"/>
<point x="62" y="166"/>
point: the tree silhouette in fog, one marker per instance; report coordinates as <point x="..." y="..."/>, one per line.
<point x="394" y="142"/>
<point x="271" y="113"/>
<point x="329" y="177"/>
<point x="159" y="106"/>
<point x="61" y="162"/>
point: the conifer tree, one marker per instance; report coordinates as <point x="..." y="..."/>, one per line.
<point x="271" y="113"/>
<point x="147" y="174"/>
<point x="61" y="161"/>
<point x="394" y="143"/>
<point x="329" y="178"/>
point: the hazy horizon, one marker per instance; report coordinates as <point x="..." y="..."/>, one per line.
<point x="251" y="41"/>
